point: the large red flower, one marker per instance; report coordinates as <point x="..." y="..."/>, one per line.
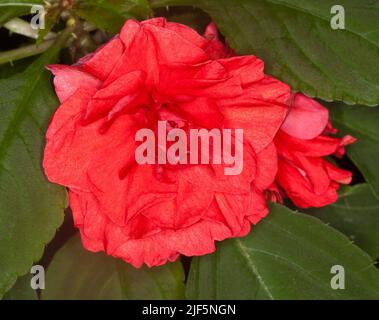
<point x="305" y="138"/>
<point x="151" y="71"/>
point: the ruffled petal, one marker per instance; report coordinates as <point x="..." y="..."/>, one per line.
<point x="101" y="62"/>
<point x="300" y="190"/>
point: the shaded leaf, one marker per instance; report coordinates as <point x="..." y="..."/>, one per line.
<point x="21" y="290"/>
<point x="362" y="123"/>
<point x="356" y="214"/>
<point x="110" y="15"/>
<point x="31" y="209"/>
<point x="76" y="273"/>
<point x="288" y="255"/>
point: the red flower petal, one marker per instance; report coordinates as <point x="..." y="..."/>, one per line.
<point x="68" y="80"/>
<point x="102" y="61"/>
<point x="306" y="119"/>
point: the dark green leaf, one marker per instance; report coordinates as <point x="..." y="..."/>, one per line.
<point x="31" y="209"/>
<point x="76" y="273"/>
<point x="110" y="15"/>
<point x="288" y="255"/>
<point x="356" y="214"/>
<point x="298" y="45"/>
<point x="9" y="69"/>
<point x="21" y="290"/>
<point x="192" y="17"/>
<point x="362" y="123"/>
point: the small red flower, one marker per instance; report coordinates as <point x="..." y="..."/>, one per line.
<point x="304" y="140"/>
<point x="154" y="71"/>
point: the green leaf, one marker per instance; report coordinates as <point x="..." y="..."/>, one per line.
<point x="298" y="45"/>
<point x="189" y="16"/>
<point x="356" y="214"/>
<point x="9" y="69"/>
<point x="14" y="8"/>
<point x="110" y="15"/>
<point x="31" y="209"/>
<point x="288" y="255"/>
<point x="361" y="123"/>
<point x="76" y="273"/>
<point x="21" y="290"/>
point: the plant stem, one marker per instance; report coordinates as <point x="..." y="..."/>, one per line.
<point x="24" y="52"/>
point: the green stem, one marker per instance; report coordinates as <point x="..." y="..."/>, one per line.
<point x="24" y="52"/>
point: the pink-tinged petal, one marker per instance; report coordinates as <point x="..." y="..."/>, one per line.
<point x="68" y="79"/>
<point x="306" y="118"/>
<point x="211" y="31"/>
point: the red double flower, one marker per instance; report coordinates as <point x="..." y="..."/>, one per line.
<point x="161" y="71"/>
